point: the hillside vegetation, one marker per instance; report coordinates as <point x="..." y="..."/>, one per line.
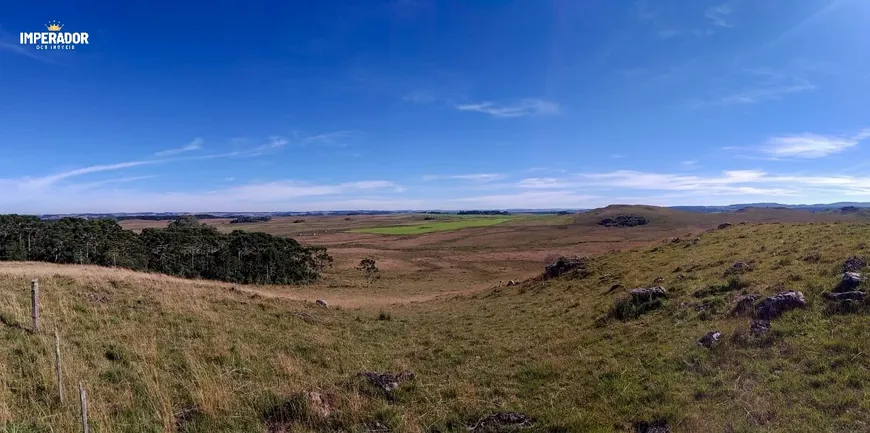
<point x="164" y="354"/>
<point x="184" y="248"/>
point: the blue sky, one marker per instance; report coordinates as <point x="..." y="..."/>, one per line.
<point x="397" y="104"/>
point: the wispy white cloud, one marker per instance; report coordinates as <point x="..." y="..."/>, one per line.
<point x="689" y="163"/>
<point x="196" y="144"/>
<point x="54" y="178"/>
<point x="718" y="15"/>
<point x="811" y="145"/>
<point x="756" y="86"/>
<point x="529" y="200"/>
<point x="479" y="177"/>
<point x="522" y="108"/>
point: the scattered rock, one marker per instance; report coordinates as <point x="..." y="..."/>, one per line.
<point x="387" y="381"/>
<point x="850" y="282"/>
<point x="710" y="338"/>
<point x="643" y="294"/>
<point x="738" y="268"/>
<point x="773" y="306"/>
<point x="681" y="277"/>
<point x="855" y="295"/>
<point x="502" y="421"/>
<point x="563" y="265"/>
<point x="745" y="304"/>
<point x="659" y="280"/>
<point x="512" y="283"/>
<point x="854" y="264"/>
<point x="321" y="303"/>
<point x="723" y="226"/>
<point x="743" y="223"/>
<point x="675" y="240"/>
<point x="758" y="327"/>
<point x="318" y="404"/>
<point x="657" y="426"/>
<point x="624" y="221"/>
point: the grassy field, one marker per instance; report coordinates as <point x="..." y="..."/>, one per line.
<point x="161" y="354"/>
<point x="224" y="360"/>
<point x="434" y="226"/>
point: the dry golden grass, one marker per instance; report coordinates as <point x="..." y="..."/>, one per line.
<point x="152" y="348"/>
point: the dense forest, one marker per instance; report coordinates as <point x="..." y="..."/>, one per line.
<point x="185" y="248"/>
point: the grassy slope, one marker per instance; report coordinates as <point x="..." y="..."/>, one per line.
<point x="540" y="348"/>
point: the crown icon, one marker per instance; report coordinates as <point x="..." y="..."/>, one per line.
<point x="54" y="26"/>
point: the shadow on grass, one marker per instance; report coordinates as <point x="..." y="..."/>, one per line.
<point x="4" y="319"/>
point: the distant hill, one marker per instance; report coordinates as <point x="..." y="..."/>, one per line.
<point x="211" y="215"/>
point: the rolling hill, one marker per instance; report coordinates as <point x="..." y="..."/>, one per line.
<point x="158" y="353"/>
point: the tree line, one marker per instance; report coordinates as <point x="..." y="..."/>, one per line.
<point x="185" y="248"/>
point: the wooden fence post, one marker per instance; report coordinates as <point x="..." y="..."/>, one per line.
<point x="34" y="304"/>
<point x="57" y="365"/>
<point x="84" y="399"/>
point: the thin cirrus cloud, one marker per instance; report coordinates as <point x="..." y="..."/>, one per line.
<point x="812" y="145"/>
<point x="757" y="86"/>
<point x="477" y="177"/>
<point x="718" y="15"/>
<point x="196" y="144"/>
<point x="734" y="183"/>
<point x="522" y="108"/>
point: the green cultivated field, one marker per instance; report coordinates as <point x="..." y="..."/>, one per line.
<point x="434" y="226"/>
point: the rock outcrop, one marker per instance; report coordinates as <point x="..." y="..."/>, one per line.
<point x="649" y="293"/>
<point x="773" y="306"/>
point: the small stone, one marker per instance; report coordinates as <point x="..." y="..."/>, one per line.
<point x="710" y="338"/>
<point x="723" y="226"/>
<point x="854" y="264"/>
<point x="659" y="280"/>
<point x="321" y="303"/>
<point x="758" y="327"/>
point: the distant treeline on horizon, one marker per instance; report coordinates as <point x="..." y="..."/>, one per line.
<point x="185" y="248"/>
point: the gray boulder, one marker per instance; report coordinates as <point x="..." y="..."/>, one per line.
<point x="773" y="306"/>
<point x="564" y="265"/>
<point x="649" y="293"/>
<point x="723" y="226"/>
<point x="850" y="282"/>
